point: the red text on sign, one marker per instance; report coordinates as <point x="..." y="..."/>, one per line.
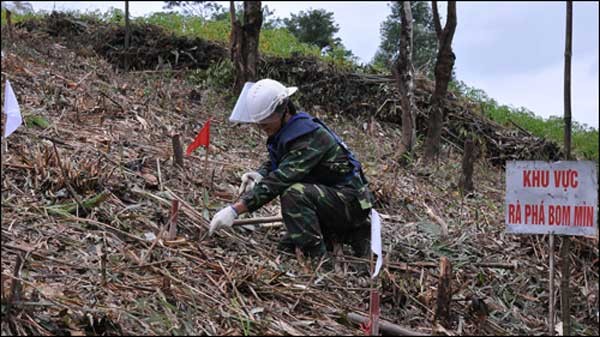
<point x="559" y="215"/>
<point x="536" y="178"/>
<point x="584" y="216"/>
<point x="534" y="214"/>
<point x="565" y="178"/>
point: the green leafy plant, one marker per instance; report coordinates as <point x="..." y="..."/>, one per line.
<point x="584" y="139"/>
<point x="218" y="76"/>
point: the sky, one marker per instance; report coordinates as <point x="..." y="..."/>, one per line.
<point x="514" y="51"/>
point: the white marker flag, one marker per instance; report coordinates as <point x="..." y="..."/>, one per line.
<point x="376" y="240"/>
<point x="11" y="109"/>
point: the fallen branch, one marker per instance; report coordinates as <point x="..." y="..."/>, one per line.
<point x="384" y="326"/>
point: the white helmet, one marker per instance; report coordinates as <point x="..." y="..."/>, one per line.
<point x="259" y="100"/>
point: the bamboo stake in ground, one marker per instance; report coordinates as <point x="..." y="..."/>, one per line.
<point x="444" y="293"/>
<point x="160" y="184"/>
<point x="15" y="288"/>
<point x="104" y="258"/>
<point x="206" y="168"/>
<point x="551" y="286"/>
<point x="373" y="301"/>
<point x="466" y="179"/>
<point x="177" y="150"/>
<point x="172" y="234"/>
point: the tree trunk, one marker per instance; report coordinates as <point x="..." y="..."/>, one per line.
<point x="404" y="78"/>
<point x="252" y="22"/>
<point x="565" y="249"/>
<point x="443" y="73"/>
<point x="236" y="50"/>
<point x="567" y="88"/>
<point x="127" y="33"/>
<point x="244" y="43"/>
<point x="9" y="23"/>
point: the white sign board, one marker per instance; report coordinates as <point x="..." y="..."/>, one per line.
<point x="559" y="198"/>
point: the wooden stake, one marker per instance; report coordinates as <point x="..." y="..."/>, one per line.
<point x="565" y="297"/>
<point x="466" y="179"/>
<point x="104" y="258"/>
<point x="177" y="151"/>
<point x="551" y="286"/>
<point x="444" y="293"/>
<point x="159" y="174"/>
<point x="373" y="301"/>
<point x="15" y="288"/>
<point x="206" y="169"/>
<point x="172" y="234"/>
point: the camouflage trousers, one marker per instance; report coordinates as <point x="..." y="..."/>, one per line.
<point x="317" y="215"/>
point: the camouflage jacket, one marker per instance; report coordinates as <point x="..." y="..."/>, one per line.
<point x="312" y="155"/>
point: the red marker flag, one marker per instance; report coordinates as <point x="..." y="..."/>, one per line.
<point x="201" y="139"/>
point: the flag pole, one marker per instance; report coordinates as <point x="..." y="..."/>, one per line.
<point x="206" y="158"/>
<point x="375" y="249"/>
<point x="371" y="271"/>
<point x="206" y="163"/>
<point x="373" y="301"/>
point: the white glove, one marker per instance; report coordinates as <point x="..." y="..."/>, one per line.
<point x="223" y="218"/>
<point x="248" y="181"/>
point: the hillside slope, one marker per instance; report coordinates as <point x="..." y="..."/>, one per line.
<point x="99" y="273"/>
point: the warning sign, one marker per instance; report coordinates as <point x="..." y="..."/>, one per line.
<point x="559" y="198"/>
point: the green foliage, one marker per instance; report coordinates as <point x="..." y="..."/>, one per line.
<point x="424" y="37"/>
<point x="276" y="41"/>
<point x="341" y="56"/>
<point x="32" y="120"/>
<point x="16" y="18"/>
<point x="584" y="139"/>
<point x="315" y="26"/>
<point x="280" y="42"/>
<point x="218" y="76"/>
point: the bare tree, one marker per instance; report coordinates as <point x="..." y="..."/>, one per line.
<point x="244" y="42"/>
<point x="127" y="35"/>
<point x="443" y="73"/>
<point x="565" y="249"/>
<point x="404" y="78"/>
